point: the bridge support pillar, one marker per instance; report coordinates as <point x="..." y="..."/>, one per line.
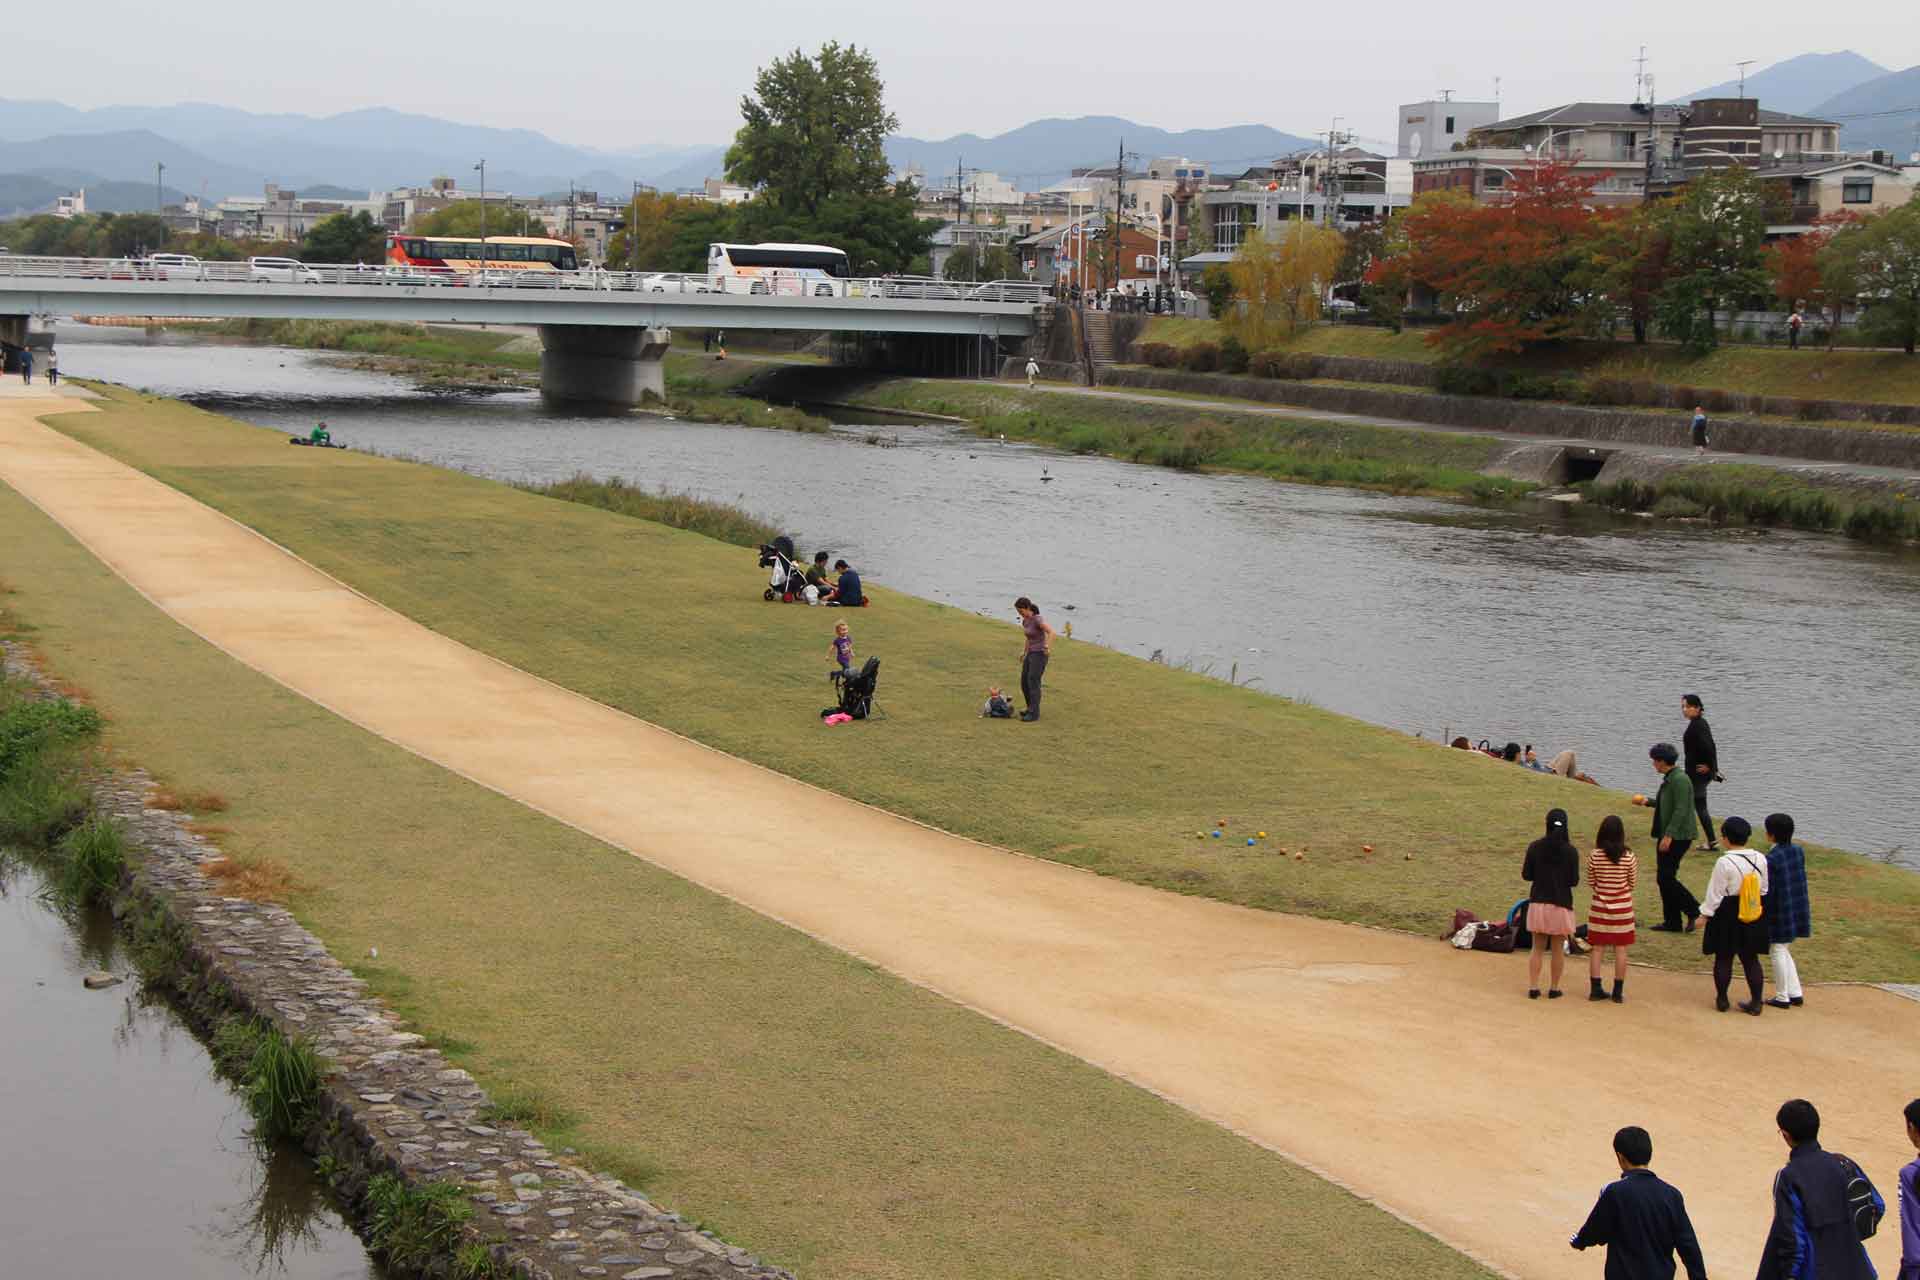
<point x="603" y="364"/>
<point x="13" y="338"/>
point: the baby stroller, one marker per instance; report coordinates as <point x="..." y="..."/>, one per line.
<point x="787" y="579"/>
<point x="856" y="692"/>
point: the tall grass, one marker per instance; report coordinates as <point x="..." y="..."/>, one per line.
<point x="1760" y="496"/>
<point x="42" y="793"/>
<point x="90" y="859"/>
<point x="279" y="1077"/>
<point x="720" y="520"/>
<point x="412" y="1226"/>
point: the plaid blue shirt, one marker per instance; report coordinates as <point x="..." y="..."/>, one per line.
<point x="1789" y="914"/>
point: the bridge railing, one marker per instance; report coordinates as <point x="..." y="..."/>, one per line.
<point x="170" y="270"/>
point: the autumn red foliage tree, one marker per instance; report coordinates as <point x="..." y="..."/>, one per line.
<point x="1795" y="269"/>
<point x="1517" y="270"/>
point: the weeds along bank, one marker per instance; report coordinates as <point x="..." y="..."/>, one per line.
<point x="438" y="1178"/>
<point x="527" y="580"/>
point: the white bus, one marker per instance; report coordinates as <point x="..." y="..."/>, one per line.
<point x="797" y="270"/>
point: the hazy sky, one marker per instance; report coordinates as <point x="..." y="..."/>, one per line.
<point x="617" y="75"/>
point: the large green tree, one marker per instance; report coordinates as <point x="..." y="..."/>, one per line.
<point x="1716" y="232"/>
<point x="463" y="218"/>
<point x="880" y="231"/>
<point x="646" y="242"/>
<point x="988" y="262"/>
<point x="1877" y="262"/>
<point x="814" y="130"/>
<point x="346" y="237"/>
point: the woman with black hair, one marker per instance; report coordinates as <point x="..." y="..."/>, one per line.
<point x="1552" y="867"/>
<point x="1613" y="872"/>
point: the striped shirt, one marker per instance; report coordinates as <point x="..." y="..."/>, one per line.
<point x="1613" y="883"/>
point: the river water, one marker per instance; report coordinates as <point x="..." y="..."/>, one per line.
<point x="126" y="1155"/>
<point x="1544" y="625"/>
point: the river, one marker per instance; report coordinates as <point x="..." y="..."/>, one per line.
<point x="126" y="1154"/>
<point x="1543" y="624"/>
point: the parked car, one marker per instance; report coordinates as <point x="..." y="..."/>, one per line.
<point x="672" y="282"/>
<point x="281" y="271"/>
<point x="174" y="266"/>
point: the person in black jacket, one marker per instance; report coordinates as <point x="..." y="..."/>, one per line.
<point x="1552" y="866"/>
<point x="1703" y="762"/>
<point x="1813" y="1236"/>
<point x="1641" y="1220"/>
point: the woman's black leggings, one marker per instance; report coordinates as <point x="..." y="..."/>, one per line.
<point x="1723" y="973"/>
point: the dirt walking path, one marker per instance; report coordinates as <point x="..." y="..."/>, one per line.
<point x="1417" y="1076"/>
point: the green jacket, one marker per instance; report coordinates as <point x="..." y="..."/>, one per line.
<point x="1673" y="808"/>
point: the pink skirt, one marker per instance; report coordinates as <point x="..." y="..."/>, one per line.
<point x="1544" y="917"/>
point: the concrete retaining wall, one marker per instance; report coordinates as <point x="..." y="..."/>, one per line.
<point x="1864" y="445"/>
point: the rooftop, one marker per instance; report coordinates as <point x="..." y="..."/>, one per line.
<point x="1668" y="113"/>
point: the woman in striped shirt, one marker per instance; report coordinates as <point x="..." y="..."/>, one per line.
<point x="1612" y="872"/>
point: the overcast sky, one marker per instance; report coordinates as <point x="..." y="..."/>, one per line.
<point x="618" y="75"/>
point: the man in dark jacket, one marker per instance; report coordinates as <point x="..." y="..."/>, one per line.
<point x="1813" y="1235"/>
<point x="1641" y="1220"/>
<point x="1673" y="834"/>
<point x="1703" y="763"/>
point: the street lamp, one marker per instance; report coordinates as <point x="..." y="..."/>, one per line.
<point x="1547" y="142"/>
<point x="482" y="167"/>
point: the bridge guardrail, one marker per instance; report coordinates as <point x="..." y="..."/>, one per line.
<point x="385" y="276"/>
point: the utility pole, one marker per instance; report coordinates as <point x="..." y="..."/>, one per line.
<point x="1119" y="203"/>
<point x="1743" y="64"/>
<point x="159" y="205"/>
<point x="633" y="225"/>
<point x="482" y="167"/>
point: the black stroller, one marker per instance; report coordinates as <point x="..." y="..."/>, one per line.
<point x="856" y="692"/>
<point x="787" y="579"/>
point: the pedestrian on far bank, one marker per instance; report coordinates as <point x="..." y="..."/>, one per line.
<point x="1700" y="440"/>
<point x="1794" y="322"/>
<point x="53" y="368"/>
<point x="1033" y="659"/>
<point x="26" y="365"/>
<point x="1703" y="759"/>
<point x="1613" y="872"/>
<point x="1674" y="830"/>
<point x="1033" y="371"/>
<point x="1789" y="911"/>
<point x="1641" y="1220"/>
<point x="1734" y="908"/>
<point x="1910" y="1200"/>
<point x="1813" y="1236"/>
<point x="1552" y="866"/>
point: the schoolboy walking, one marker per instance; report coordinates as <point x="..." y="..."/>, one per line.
<point x="1789" y="911"/>
<point x="1641" y="1220"/>
<point x="1813" y="1236"/>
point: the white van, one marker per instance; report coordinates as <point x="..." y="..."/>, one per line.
<point x="173" y="266"/>
<point x="281" y="271"/>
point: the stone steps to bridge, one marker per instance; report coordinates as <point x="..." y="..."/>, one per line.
<point x="1100" y="338"/>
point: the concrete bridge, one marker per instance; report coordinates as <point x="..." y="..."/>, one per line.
<point x="604" y="333"/>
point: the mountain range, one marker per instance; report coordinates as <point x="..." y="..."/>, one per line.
<point x="1878" y="109"/>
<point x="220" y="151"/>
<point x="1799" y="84"/>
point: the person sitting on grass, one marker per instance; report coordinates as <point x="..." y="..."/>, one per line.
<point x="320" y="434"/>
<point x="996" y="707"/>
<point x="817" y="575"/>
<point x="846" y="589"/>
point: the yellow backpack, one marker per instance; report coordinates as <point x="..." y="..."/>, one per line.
<point x="1750" y="900"/>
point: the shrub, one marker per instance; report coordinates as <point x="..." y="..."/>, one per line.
<point x="40" y="798"/>
<point x="279" y="1078"/>
<point x="1524" y="386"/>
<point x="1676" y="507"/>
<point x="719" y="520"/>
<point x="1293" y="365"/>
<point x="1466" y="380"/>
<point x="1233" y="355"/>
<point x="1201" y="357"/>
<point x="1160" y="355"/>
<point x="29" y="725"/>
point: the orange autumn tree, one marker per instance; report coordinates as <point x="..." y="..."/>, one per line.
<point x="1517" y="270"/>
<point x="1795" y="270"/>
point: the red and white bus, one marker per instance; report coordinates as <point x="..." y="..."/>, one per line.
<point x="495" y="253"/>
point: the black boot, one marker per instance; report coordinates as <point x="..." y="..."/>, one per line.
<point x="1597" y="993"/>
<point x="1619" y="990"/>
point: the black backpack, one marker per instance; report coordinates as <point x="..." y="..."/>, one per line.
<point x="1865" y="1208"/>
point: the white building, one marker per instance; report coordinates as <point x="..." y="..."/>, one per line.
<point x="69" y="206"/>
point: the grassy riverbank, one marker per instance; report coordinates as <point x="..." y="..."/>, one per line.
<point x="720" y="520"/>
<point x="528" y="579"/>
<point x="798" y="1101"/>
<point x="1173" y="434"/>
<point x="1884" y="377"/>
<point x="1735" y="494"/>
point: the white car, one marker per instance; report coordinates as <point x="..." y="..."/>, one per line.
<point x="173" y="266"/>
<point x="281" y="271"/>
<point x="673" y="282"/>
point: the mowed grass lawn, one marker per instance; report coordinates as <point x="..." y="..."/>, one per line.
<point x="802" y="1103"/>
<point x="1131" y="761"/>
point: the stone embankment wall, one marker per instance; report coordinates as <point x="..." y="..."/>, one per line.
<point x="1532" y="417"/>
<point x="391" y="1103"/>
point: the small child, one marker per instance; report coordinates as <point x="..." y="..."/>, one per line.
<point x="841" y="650"/>
<point x="996" y="706"/>
<point x="1789" y="912"/>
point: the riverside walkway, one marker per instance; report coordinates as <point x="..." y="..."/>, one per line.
<point x="1392" y="1064"/>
